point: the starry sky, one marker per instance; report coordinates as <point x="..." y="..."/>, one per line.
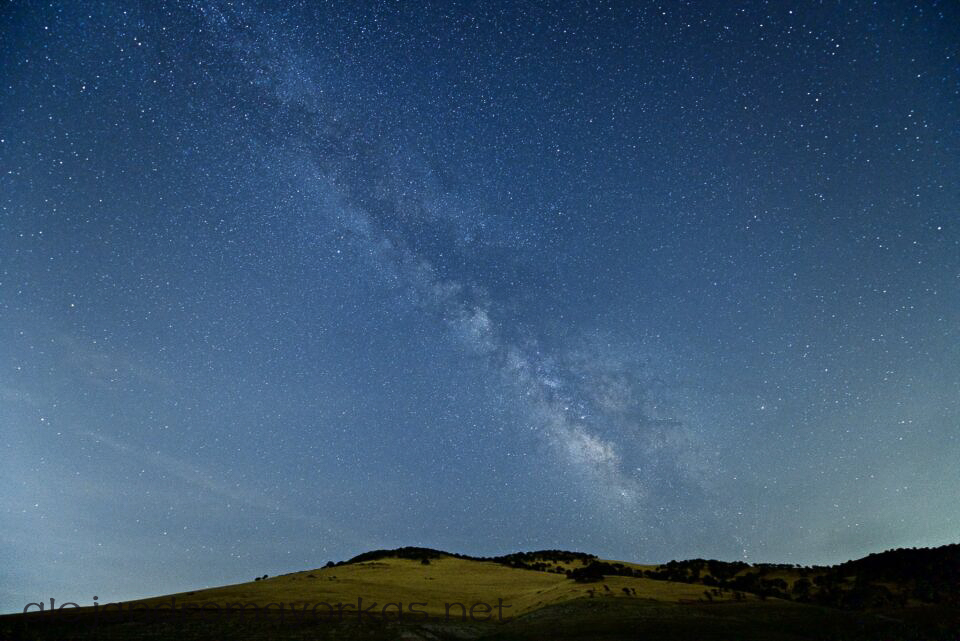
<point x="284" y="282"/>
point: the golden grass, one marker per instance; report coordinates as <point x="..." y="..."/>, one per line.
<point x="444" y="581"/>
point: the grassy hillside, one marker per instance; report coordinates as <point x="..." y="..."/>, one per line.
<point x="445" y="580"/>
<point x="427" y="595"/>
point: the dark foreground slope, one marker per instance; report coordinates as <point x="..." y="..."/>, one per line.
<point x="582" y="619"/>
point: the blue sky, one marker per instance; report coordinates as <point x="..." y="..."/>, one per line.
<point x="279" y="285"/>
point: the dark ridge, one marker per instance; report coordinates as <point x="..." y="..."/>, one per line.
<point x="409" y="552"/>
<point x="536" y="560"/>
<point x="941" y="564"/>
<point x="895" y="578"/>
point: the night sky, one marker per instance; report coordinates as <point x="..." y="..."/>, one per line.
<point x="282" y="284"/>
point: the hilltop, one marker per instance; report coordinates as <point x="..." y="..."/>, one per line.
<point x="422" y="593"/>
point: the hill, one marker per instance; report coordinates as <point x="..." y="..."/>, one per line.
<point x="421" y="593"/>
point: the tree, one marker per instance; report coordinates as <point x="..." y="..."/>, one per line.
<point x="801" y="588"/>
<point x="588" y="574"/>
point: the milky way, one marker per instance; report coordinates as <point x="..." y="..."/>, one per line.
<point x="280" y="285"/>
<point x="588" y="406"/>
